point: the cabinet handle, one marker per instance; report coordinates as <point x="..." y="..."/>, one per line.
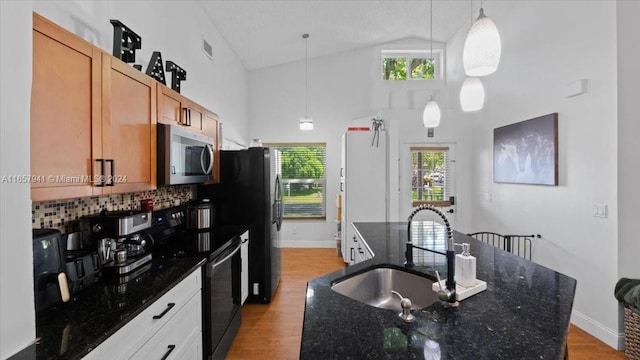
<point x="354" y="239"/>
<point x="341" y="172"/>
<point x="169" y="307"/>
<point x="189" y="117"/>
<point x="169" y="350"/>
<point x="101" y="182"/>
<point x="185" y="117"/>
<point x="360" y="250"/>
<point x="341" y="186"/>
<point x="113" y="164"/>
<point x="352" y="253"/>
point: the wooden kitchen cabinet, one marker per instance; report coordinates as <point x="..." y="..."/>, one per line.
<point x="175" y="109"/>
<point x="65" y="112"/>
<point x="128" y="127"/>
<point x="93" y="119"/>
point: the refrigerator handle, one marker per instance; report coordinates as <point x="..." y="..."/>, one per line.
<point x="278" y="202"/>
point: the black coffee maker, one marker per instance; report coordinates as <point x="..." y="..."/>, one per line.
<point x="49" y="278"/>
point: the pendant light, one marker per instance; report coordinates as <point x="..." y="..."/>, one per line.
<point x="472" y="94"/>
<point x="431" y="113"/>
<point x="306" y="122"/>
<point x="472" y="91"/>
<point x="482" y="48"/>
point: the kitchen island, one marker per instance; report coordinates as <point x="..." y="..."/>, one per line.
<point x="523" y="314"/>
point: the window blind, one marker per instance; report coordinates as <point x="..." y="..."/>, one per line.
<point x="302" y="172"/>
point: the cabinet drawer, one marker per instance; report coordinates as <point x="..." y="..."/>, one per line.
<point x="174" y="338"/>
<point x="126" y="341"/>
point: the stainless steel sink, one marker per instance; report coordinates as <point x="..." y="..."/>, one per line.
<point x="373" y="287"/>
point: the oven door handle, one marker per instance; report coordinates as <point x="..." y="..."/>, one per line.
<point x="217" y="263"/>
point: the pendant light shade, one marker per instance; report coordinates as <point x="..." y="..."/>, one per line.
<point x="431" y="114"/>
<point x="306" y="122"/>
<point x="482" y="48"/>
<point x="472" y="94"/>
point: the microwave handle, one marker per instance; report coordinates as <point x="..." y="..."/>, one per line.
<point x="210" y="149"/>
<point x="206" y="170"/>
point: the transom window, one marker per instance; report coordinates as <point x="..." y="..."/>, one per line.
<point x="302" y="172"/>
<point x="431" y="177"/>
<point x="409" y="65"/>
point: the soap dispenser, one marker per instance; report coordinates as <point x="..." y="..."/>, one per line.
<point x="465" y="267"/>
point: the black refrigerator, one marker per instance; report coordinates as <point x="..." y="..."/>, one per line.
<point x="250" y="194"/>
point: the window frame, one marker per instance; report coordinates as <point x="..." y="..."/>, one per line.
<point x="276" y="145"/>
<point x="408" y="55"/>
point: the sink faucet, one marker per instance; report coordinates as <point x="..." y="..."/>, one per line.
<point x="448" y="294"/>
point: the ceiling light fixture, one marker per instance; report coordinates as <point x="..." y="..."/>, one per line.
<point x="482" y="48"/>
<point x="471" y="94"/>
<point x="472" y="91"/>
<point x="431" y="113"/>
<point x="306" y="122"/>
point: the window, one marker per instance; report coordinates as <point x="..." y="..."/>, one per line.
<point x="431" y="178"/>
<point x="302" y="172"/>
<point x="408" y="65"/>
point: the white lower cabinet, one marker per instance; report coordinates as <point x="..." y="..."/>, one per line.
<point x="171" y="341"/>
<point x="173" y="322"/>
<point x="359" y="249"/>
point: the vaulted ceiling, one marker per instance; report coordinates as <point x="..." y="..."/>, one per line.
<point x="269" y="32"/>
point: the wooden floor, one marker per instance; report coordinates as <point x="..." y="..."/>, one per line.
<point x="273" y="331"/>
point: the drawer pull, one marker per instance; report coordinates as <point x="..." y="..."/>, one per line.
<point x="169" y="350"/>
<point x="169" y="306"/>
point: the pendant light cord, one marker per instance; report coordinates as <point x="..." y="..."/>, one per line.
<point x="306" y="80"/>
<point x="431" y="43"/>
<point x="431" y="33"/>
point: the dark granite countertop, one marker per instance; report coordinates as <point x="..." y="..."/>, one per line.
<point x="523" y="314"/>
<point x="71" y="330"/>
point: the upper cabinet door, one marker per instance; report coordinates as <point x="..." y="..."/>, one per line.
<point x="65" y="109"/>
<point x="128" y="127"/>
<point x="175" y="109"/>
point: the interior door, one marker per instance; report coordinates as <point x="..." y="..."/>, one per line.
<point x="441" y="185"/>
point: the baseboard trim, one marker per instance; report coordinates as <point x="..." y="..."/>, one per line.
<point x="598" y="330"/>
<point x="307" y="244"/>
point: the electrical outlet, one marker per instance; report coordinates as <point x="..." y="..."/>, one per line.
<point x="256" y="288"/>
<point x="600" y="210"/>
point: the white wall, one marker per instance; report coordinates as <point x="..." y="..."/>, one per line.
<point x="16" y="259"/>
<point x="176" y="29"/>
<point x="547" y="45"/>
<point x="344" y="87"/>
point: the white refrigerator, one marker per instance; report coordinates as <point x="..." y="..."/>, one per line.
<point x="364" y="184"/>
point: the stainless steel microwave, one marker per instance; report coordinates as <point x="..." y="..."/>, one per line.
<point x="184" y="157"/>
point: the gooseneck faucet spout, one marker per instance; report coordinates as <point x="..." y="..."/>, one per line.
<point x="448" y="294"/>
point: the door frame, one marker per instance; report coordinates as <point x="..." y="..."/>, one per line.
<point x="404" y="205"/>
